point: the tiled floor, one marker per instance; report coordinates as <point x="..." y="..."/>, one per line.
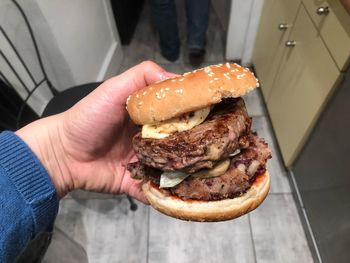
<point x="101" y="228"/>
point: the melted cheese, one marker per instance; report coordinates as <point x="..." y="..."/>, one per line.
<point x="178" y="124"/>
<point x="219" y="169"/>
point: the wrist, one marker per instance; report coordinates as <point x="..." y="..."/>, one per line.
<point x="44" y="138"/>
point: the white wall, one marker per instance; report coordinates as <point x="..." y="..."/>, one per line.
<point x="242" y="29"/>
<point x="85" y="33"/>
<point x="78" y="41"/>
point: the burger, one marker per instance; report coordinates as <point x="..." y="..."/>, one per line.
<point x="197" y="155"/>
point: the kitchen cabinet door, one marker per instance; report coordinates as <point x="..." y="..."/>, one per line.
<point x="305" y="80"/>
<point x="334" y="27"/>
<point x="269" y="44"/>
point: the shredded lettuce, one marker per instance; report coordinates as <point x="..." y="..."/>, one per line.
<point x="171" y="179"/>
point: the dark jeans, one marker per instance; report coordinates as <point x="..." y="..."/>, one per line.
<point x="164" y="13"/>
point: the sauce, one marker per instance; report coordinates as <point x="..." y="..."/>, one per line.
<point x="259" y="179"/>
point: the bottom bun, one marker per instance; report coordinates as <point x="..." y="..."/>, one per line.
<point x="209" y="211"/>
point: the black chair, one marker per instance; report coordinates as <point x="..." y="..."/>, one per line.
<point x="60" y="101"/>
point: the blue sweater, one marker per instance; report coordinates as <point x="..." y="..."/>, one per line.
<point x="28" y="200"/>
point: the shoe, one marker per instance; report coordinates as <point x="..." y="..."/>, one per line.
<point x="196" y="56"/>
<point x="170" y="56"/>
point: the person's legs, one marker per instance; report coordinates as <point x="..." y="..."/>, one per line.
<point x="164" y="14"/>
<point x="197" y="12"/>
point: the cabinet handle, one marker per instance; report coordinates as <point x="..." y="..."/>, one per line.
<point x="322" y="11"/>
<point x="290" y="43"/>
<point x="282" y="26"/>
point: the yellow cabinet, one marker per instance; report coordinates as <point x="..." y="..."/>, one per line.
<point x="306" y="77"/>
<point x="275" y="25"/>
<point x="333" y="23"/>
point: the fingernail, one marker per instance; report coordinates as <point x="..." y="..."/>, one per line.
<point x="166" y="75"/>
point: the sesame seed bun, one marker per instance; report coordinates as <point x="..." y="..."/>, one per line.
<point x="209" y="211"/>
<point x="189" y="92"/>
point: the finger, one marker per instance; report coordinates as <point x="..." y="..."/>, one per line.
<point x="147" y="73"/>
<point x="133" y="188"/>
<point x="136" y="192"/>
<point x="135" y="78"/>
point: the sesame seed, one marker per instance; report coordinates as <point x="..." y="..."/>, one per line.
<point x="157" y="94"/>
<point x="137" y="96"/>
<point x="228" y="65"/>
<point x="181" y="79"/>
<point x="180" y="91"/>
<point x="163" y="95"/>
<point x="227" y="77"/>
<point x="127" y="100"/>
<point x="151" y="88"/>
<point x="185" y="74"/>
<point x="211" y="81"/>
<point x="216" y="78"/>
<point x="207" y="69"/>
<point x="167" y="89"/>
<point x="144" y="93"/>
<point x="140" y="103"/>
<point x="161" y="90"/>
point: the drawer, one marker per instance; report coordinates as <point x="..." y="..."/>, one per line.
<point x="334" y="28"/>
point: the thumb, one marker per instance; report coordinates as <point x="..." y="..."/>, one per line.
<point x="138" y="77"/>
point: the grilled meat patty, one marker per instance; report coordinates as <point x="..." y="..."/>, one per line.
<point x="224" y="131"/>
<point x="235" y="181"/>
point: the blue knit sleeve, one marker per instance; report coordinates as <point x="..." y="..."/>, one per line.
<point x="28" y="200"/>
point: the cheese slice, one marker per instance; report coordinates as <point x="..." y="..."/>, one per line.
<point x="219" y="169"/>
<point x="178" y="124"/>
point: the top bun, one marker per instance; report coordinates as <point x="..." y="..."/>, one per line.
<point x="189" y="92"/>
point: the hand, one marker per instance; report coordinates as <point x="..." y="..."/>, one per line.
<point x="88" y="146"/>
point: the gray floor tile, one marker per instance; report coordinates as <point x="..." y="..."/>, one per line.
<point x="279" y="176"/>
<point x="63" y="249"/>
<point x="277" y="231"/>
<point x="105" y="228"/>
<point x="254" y="103"/>
<point x="172" y="240"/>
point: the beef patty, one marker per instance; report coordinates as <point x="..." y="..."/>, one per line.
<point x="235" y="181"/>
<point x="223" y="132"/>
